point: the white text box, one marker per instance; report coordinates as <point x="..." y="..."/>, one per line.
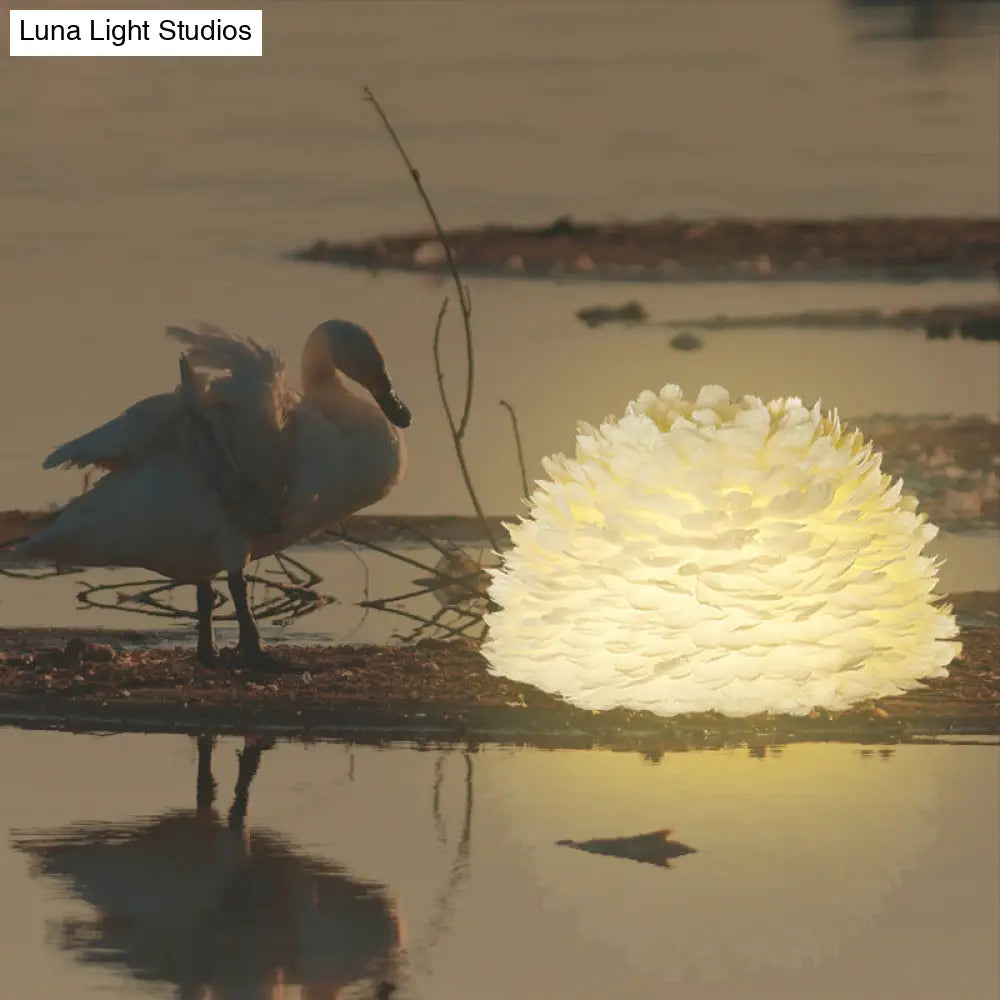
<point x="131" y="32"/>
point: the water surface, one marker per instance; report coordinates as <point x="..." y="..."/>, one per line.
<point x="332" y="611"/>
<point x="137" y="193"/>
<point x="820" y="871"/>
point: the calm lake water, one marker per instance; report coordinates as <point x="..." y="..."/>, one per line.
<point x="140" y="193"/>
<point x="821" y="871"/>
<point x="972" y="562"/>
<point x="137" y="193"/>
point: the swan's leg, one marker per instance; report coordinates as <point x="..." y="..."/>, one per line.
<point x="205" y="788"/>
<point x="249" y="761"/>
<point x="249" y="641"/>
<point x="207" y="652"/>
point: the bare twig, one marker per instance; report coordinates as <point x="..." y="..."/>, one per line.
<point x="366" y="589"/>
<point x="379" y="602"/>
<point x="453" y="632"/>
<point x="375" y="547"/>
<point x="439" y="824"/>
<point x="443" y="547"/>
<point x="443" y="907"/>
<point x="438" y="370"/>
<point x="308" y="577"/>
<point x="465" y="305"/>
<point x="517" y="442"/>
<point x="285" y="601"/>
<point x="445" y="578"/>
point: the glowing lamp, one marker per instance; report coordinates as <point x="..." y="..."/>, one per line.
<point x="718" y="555"/>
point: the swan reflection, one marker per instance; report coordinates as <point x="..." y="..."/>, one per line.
<point x="216" y="909"/>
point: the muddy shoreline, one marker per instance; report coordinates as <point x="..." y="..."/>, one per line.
<point x="894" y="249"/>
<point x="432" y="691"/>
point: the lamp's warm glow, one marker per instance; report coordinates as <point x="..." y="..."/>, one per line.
<point x="736" y="557"/>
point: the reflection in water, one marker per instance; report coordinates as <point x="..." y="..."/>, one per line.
<point x="654" y="848"/>
<point x="204" y="904"/>
<point x="282" y="592"/>
<point x="796" y="854"/>
<point x="447" y="603"/>
<point x="444" y="902"/>
<point x="919" y="19"/>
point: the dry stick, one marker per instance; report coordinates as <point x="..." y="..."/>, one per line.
<point x="465" y="305"/>
<point x="378" y="602"/>
<point x="291" y="601"/>
<point x="443" y="909"/>
<point x="309" y="577"/>
<point x="457" y="433"/>
<point x="445" y="549"/>
<point x="375" y="547"/>
<point x="426" y="624"/>
<point x="455" y="633"/>
<point x="517" y="442"/>
<point x="439" y="824"/>
<point x="464" y="300"/>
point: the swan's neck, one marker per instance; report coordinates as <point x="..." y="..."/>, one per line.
<point x="327" y="389"/>
<point x="319" y="373"/>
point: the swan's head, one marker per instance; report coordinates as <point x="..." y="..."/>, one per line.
<point x="352" y="350"/>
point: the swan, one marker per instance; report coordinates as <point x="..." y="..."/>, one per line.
<point x="232" y="465"/>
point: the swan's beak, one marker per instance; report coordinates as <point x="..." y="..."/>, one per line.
<point x="394" y="408"/>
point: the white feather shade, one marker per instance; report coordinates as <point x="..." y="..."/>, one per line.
<point x="736" y="557"/>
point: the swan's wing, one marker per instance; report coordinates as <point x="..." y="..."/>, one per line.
<point x="216" y="350"/>
<point x="138" y="432"/>
<point x="208" y="437"/>
<point x="237" y="406"/>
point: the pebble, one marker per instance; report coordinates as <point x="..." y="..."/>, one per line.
<point x="686" y="341"/>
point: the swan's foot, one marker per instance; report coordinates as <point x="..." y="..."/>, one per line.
<point x="208" y="654"/>
<point x="255" y="659"/>
<point x="258" y="659"/>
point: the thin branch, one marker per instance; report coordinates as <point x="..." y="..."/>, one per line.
<point x="379" y="602"/>
<point x="465" y="305"/>
<point x="470" y="361"/>
<point x="287" y="601"/>
<point x="438" y="370"/>
<point x="415" y="174"/>
<point x="308" y="577"/>
<point x="439" y="824"/>
<point x="517" y="442"/>
<point x="453" y="632"/>
<point x="375" y="547"/>
<point x="366" y="590"/>
<point x="457" y="432"/>
<point x="443" y="547"/>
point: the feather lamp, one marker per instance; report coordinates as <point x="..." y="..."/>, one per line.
<point x="718" y="555"/>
